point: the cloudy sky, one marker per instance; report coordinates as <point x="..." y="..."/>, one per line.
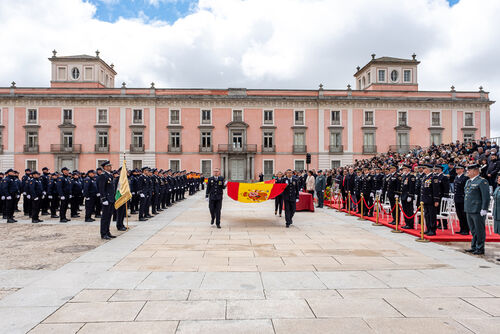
<point x="255" y="43"/>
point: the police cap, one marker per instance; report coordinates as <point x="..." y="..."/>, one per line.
<point x="106" y="163"/>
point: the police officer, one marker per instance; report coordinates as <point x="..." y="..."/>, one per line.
<point x="429" y="195"/>
<point x="106" y="188"/>
<point x="120" y="212"/>
<point x="45" y="178"/>
<point x="25" y="190"/>
<point x="76" y="193"/>
<point x="290" y="196"/>
<point x="358" y="185"/>
<point x="476" y="202"/>
<point x="278" y="200"/>
<point x="90" y="194"/>
<point x="214" y="194"/>
<point x="63" y="186"/>
<point x="10" y="191"/>
<point x="98" y="206"/>
<point x="407" y="190"/>
<point x="53" y="195"/>
<point x="367" y="191"/>
<point x="36" y="192"/>
<point x="392" y="190"/>
<point x="444" y="189"/>
<point x="458" y="198"/>
<point x="141" y="188"/>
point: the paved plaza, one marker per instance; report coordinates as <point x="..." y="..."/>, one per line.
<point x="328" y="273"/>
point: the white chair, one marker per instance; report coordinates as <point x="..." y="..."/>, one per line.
<point x="489" y="216"/>
<point x="444" y="212"/>
<point x="386" y="206"/>
<point x="453" y="218"/>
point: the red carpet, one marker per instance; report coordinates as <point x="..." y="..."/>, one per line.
<point x="441" y="235"/>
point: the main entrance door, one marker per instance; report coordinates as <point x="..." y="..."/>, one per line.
<point x="237" y="168"/>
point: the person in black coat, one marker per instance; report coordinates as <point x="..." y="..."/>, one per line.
<point x="278" y="200"/>
<point x="76" y="193"/>
<point x="90" y="195"/>
<point x="214" y="194"/>
<point x="106" y="188"/>
<point x="492" y="171"/>
<point x="290" y="197"/>
<point x="63" y="186"/>
<point x="9" y="190"/>
<point x="36" y="192"/>
<point x="459" y="197"/>
<point x="45" y="178"/>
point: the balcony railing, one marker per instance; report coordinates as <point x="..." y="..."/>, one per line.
<point x="204" y="149"/>
<point x="31" y="148"/>
<point x="101" y="149"/>
<point x="268" y="149"/>
<point x="137" y="148"/>
<point x="229" y="148"/>
<point x="174" y="149"/>
<point x="299" y="148"/>
<point x="401" y="148"/>
<point x="61" y="148"/>
<point x="336" y="148"/>
<point x="369" y="149"/>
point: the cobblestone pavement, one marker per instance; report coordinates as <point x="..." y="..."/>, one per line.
<point x="328" y="273"/>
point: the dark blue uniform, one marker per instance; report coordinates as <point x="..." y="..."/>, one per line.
<point x="278" y="200"/>
<point x="90" y="194"/>
<point x="63" y="186"/>
<point x="429" y="195"/>
<point x="458" y="198"/>
<point x="76" y="194"/>
<point x="36" y="192"/>
<point x="44" y="204"/>
<point x="407" y="190"/>
<point x="106" y="188"/>
<point x="214" y="193"/>
<point x="290" y="198"/>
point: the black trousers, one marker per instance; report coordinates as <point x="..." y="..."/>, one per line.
<point x="343" y="193"/>
<point x="75" y="205"/>
<point x="392" y="202"/>
<point x="107" y="211"/>
<point x="89" y="207"/>
<point x="290" y="207"/>
<point x="9" y="208"/>
<point x="63" y="208"/>
<point x="408" y="210"/>
<point x="278" y="204"/>
<point x="462" y="217"/>
<point x="215" y="206"/>
<point x="35" y="209"/>
<point x="54" y="203"/>
<point x="142" y="207"/>
<point x="26" y="205"/>
<point x="120" y="216"/>
<point x="44" y="204"/>
<point x="98" y="206"/>
<point x="430" y="217"/>
<point x="153" y="202"/>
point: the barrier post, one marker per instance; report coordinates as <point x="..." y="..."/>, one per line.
<point x="349" y="203"/>
<point x="396" y="207"/>
<point x="421" y="239"/>
<point x="362" y="206"/>
<point x="377" y="212"/>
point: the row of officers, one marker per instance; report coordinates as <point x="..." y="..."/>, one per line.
<point x="153" y="190"/>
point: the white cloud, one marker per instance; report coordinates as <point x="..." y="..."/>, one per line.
<point x="261" y="43"/>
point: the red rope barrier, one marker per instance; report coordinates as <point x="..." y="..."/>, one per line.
<point x="388" y="213"/>
<point x="368" y="207"/>
<point x="406" y="215"/>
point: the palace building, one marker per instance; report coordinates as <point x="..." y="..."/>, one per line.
<point x="82" y="119"/>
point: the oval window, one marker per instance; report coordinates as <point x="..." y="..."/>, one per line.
<point x="394" y="75"/>
<point x="75" y="73"/>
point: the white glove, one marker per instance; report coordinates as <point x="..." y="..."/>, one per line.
<point x="372" y="195"/>
<point x="105" y="203"/>
<point x="408" y="199"/>
<point x="9" y="197"/>
<point x="483" y="212"/>
<point x="206" y="199"/>
<point x="70" y="196"/>
<point x="44" y="192"/>
<point x="63" y="198"/>
<point x="28" y="197"/>
<point x="17" y="196"/>
<point x="142" y="195"/>
<point x="3" y="197"/>
<point x="296" y="201"/>
<point x="24" y="192"/>
<point x="98" y="195"/>
<point x="225" y="183"/>
<point x="87" y="198"/>
<point x="50" y="196"/>
<point x="133" y="193"/>
<point x="35" y="199"/>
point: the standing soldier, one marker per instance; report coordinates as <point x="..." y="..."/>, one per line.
<point x="407" y="190"/>
<point x="418" y="182"/>
<point x="278" y="200"/>
<point x="141" y="186"/>
<point x="290" y="197"/>
<point x="9" y="191"/>
<point x="444" y="189"/>
<point x="459" y="191"/>
<point x="53" y="196"/>
<point x="76" y="193"/>
<point x="45" y="178"/>
<point x="107" y="190"/>
<point x="367" y="191"/>
<point x="36" y="192"/>
<point x="90" y="194"/>
<point x="320" y="188"/>
<point x="63" y="185"/>
<point x="25" y="185"/>
<point x="358" y="184"/>
<point x="476" y="202"/>
<point x="214" y="194"/>
<point x="98" y="206"/>
<point x="429" y="195"/>
<point x="392" y="190"/>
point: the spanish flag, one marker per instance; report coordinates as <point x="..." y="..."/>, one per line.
<point x="123" y="193"/>
<point x="254" y="192"/>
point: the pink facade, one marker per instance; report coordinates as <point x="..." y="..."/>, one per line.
<point x="242" y="131"/>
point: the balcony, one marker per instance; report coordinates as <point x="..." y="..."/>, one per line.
<point x="247" y="148"/>
<point x="61" y="148"/>
<point x="137" y="148"/>
<point x="174" y="149"/>
<point x="299" y="148"/>
<point x="336" y="149"/>
<point x="369" y="149"/>
<point x="271" y="149"/>
<point x="101" y="149"/>
<point x="401" y="148"/>
<point x="203" y="149"/>
<point x="31" y="148"/>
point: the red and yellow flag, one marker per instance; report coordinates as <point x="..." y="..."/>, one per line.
<point x="254" y="192"/>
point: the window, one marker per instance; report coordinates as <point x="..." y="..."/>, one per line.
<point x="436" y="138"/>
<point x="67" y="139"/>
<point x="364" y="82"/>
<point x="175" y="165"/>
<point x="175" y="117"/>
<point x="402" y="118"/>
<point x="369" y="139"/>
<point x="268" y="117"/>
<point x="206" y="117"/>
<point x="31" y="164"/>
<point x="102" y="139"/>
<point x="435" y="118"/>
<point x="407" y="75"/>
<point x="75" y="73"/>
<point x="87" y="73"/>
<point x="175" y="139"/>
<point x="369" y="118"/>
<point x="299" y="138"/>
<point x="32" y="117"/>
<point x="469" y="119"/>
<point x="369" y="77"/>
<point x="102" y="116"/>
<point x="381" y="75"/>
<point x="394" y="76"/>
<point x="268" y="139"/>
<point x="300" y="165"/>
<point x="137" y="116"/>
<point x="335" y="139"/>
<point x="468" y="137"/>
<point x="137" y="164"/>
<point x="237" y="115"/>
<point x="268" y="168"/>
<point x="206" y="139"/>
<point x="206" y="167"/>
<point x="335" y="164"/>
<point x="99" y="162"/>
<point x="402" y="139"/>
<point x="32" y="138"/>
<point x="335" y="117"/>
<point x="299" y="117"/>
<point x="67" y="116"/>
<point x="137" y="139"/>
<point x="61" y="73"/>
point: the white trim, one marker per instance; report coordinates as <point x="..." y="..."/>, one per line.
<point x="79" y="67"/>
<point x="132" y="116"/>
<point x="201" y="116"/>
<point x="473" y="119"/>
<point x="483" y="122"/>
<point x="123" y="128"/>
<point x="242" y="114"/>
<point x="303" y="160"/>
<point x="11" y="127"/>
<point x="454" y="125"/>
<point x="180" y="163"/>
<point x="152" y="129"/>
<point x="331" y="118"/>
<point x="201" y="164"/>
<point x="349" y="131"/>
<point x="385" y="74"/>
<point x="263" y="116"/>
<point x="364" y="113"/>
<point x="263" y="166"/>
<point x="26" y="164"/>
<point x="321" y="130"/>
<point x="97" y="115"/>
<point x="72" y="115"/>
<point x="407" y="118"/>
<point x="398" y="74"/>
<point x="170" y="116"/>
<point x="440" y="119"/>
<point x="37" y="116"/>
<point x="294" y="111"/>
